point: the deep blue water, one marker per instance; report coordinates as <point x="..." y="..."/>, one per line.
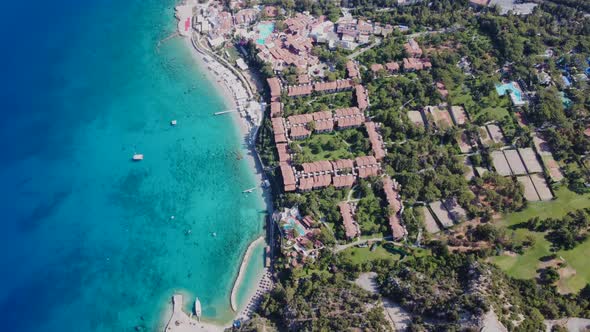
<point x="87" y="242"/>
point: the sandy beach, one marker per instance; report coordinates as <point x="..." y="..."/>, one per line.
<point x="233" y="93"/>
<point x="240" y="276"/>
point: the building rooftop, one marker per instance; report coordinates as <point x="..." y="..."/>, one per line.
<point x="350" y="226"/>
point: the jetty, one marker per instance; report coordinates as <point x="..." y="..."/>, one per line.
<point x="225" y="112"/>
<point x="180" y="321"/>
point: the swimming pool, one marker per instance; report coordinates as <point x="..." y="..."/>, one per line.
<point x="264" y="30"/>
<point x="293" y="224"/>
<point x="513" y="89"/>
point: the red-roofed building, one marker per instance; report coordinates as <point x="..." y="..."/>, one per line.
<point x="392" y="67"/>
<point x="412" y="48"/>
<point x="283" y="152"/>
<point x="299" y="119"/>
<point x="299" y="132"/>
<point x="350" y="226"/>
<point x="299" y="90"/>
<point x="376" y="140"/>
<point x="352" y="69"/>
<point x="276" y="109"/>
<point x="343" y="181"/>
<point x="376" y="67"/>
<point x="391" y="187"/>
<point x="322" y="181"/>
<point x="317" y="167"/>
<point x="289" y="183"/>
<point x="342" y="165"/>
<point x="367" y="166"/>
<point x="362" y="99"/>
<point x="414" y="64"/>
<point x="275" y="87"/>
<point x="278" y="126"/>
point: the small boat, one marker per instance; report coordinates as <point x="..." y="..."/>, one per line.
<point x="173" y="122"/>
<point x="198" y="309"/>
<point x="137" y="157"/>
<point x="249" y="190"/>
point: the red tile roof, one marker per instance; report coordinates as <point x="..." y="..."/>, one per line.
<point x="324" y="125"/>
<point x="352" y="69"/>
<point x="288" y="177"/>
<point x="299" y="90"/>
<point x="276" y="109"/>
<point x="300" y="132"/>
<point x="392" y="66"/>
<point x="368" y="171"/>
<point x="305" y="184"/>
<point x="324" y="115"/>
<point x="365" y="161"/>
<point x="275" y="87"/>
<point x="390" y="187"/>
<point x="361" y="97"/>
<point x="322" y="181"/>
<point x="283" y="151"/>
<point x="342" y="164"/>
<point x="280" y="138"/>
<point x="344" y="112"/>
<point x="350" y="122"/>
<point x="376" y="67"/>
<point x="412" y="48"/>
<point x="376" y="140"/>
<point x="416" y="64"/>
<point x="277" y="126"/>
<point x="299" y="119"/>
<point x="343" y="181"/>
<point x="325" y="86"/>
<point x="317" y="167"/>
<point x="350" y="226"/>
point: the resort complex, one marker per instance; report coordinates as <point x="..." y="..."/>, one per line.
<point x="403" y="135"/>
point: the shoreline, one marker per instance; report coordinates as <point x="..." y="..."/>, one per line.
<point x="221" y="79"/>
<point x="240" y="276"/>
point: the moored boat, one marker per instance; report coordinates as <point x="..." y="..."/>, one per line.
<point x="198" y="308"/>
<point x="137" y="157"/>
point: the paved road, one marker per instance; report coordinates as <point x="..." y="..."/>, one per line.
<point x="363" y="50"/>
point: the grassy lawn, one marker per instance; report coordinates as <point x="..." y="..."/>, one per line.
<point x="361" y="255"/>
<point x="496" y="109"/>
<point x="330" y="146"/>
<point x="324" y="102"/>
<point x="525" y="266"/>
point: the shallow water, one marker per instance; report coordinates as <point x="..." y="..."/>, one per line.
<point x="88" y="243"/>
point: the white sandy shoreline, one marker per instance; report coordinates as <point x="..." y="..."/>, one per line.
<point x="240" y="276"/>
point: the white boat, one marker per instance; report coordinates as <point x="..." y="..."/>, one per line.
<point x="137" y="157"/>
<point x="173" y="122"/>
<point x="198" y="309"/>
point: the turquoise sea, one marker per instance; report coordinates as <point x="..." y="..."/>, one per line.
<point x="87" y="240"/>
